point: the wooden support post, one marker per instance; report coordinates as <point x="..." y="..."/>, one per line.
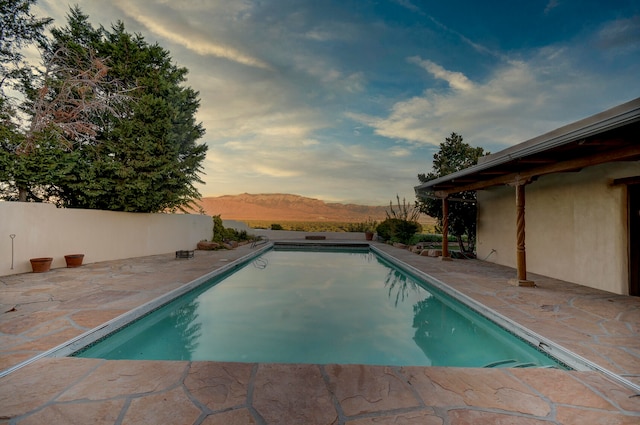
<point x="445" y="230"/>
<point x="521" y="254"/>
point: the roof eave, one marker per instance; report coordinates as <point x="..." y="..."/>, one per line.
<point x="618" y="116"/>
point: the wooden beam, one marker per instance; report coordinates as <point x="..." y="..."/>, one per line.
<point x="520" y="177"/>
<point x="433" y="196"/>
<point x="626" y="180"/>
<point x="535" y="161"/>
<point x="445" y="230"/>
<point x="521" y="253"/>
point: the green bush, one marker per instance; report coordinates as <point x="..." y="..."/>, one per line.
<point x="237" y="235"/>
<point x="404" y="230"/>
<point x="221" y="234"/>
<point x="398" y="230"/>
<point x="384" y="229"/>
<point x="276" y="227"/>
<point x="431" y="237"/>
<point x="218" y="229"/>
<point x="365" y="226"/>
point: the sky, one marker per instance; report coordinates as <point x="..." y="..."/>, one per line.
<point x="348" y="100"/>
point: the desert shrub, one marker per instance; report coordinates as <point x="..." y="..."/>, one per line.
<point x="222" y="234"/>
<point x="404" y="230"/>
<point x="365" y="226"/>
<point x="218" y="229"/>
<point x="398" y="230"/>
<point x="384" y="229"/>
<point x="276" y="226"/>
<point x="237" y="235"/>
<point x="430" y="237"/>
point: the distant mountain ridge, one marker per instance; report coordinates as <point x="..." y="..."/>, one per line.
<point x="287" y="207"/>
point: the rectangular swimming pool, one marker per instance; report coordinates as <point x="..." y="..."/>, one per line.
<point x="326" y="306"/>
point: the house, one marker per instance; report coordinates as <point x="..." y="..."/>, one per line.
<point x="580" y="219"/>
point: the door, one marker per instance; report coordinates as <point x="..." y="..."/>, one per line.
<point x="634" y="239"/>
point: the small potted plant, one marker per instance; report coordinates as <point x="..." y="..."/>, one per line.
<point x="74" y="260"/>
<point x="41" y="264"/>
<point x="369" y="229"/>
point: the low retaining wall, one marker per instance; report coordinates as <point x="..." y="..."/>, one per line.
<point x="42" y="230"/>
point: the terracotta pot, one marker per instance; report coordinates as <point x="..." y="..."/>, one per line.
<point x="368" y="236"/>
<point x="74" y="260"/>
<point x="41" y="265"/>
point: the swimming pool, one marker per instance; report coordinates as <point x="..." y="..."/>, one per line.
<point x="325" y="306"/>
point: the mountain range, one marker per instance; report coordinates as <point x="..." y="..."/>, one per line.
<point x="287" y="207"/>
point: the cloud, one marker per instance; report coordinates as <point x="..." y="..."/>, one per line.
<point x="483" y="50"/>
<point x="550" y="6"/>
<point x="457" y="80"/>
<point x="623" y="34"/>
<point x="171" y="28"/>
<point x="275" y="172"/>
<point x="409" y="5"/>
<point x="331" y="100"/>
<point x="519" y="100"/>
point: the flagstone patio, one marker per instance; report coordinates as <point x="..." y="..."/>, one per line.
<point x="40" y="311"/>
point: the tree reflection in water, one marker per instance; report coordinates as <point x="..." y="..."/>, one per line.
<point x="441" y="332"/>
<point x="185" y="331"/>
<point x="398" y="282"/>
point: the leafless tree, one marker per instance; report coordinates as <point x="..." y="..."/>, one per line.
<point x="75" y="90"/>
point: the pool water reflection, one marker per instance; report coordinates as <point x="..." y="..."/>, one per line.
<point x="319" y="307"/>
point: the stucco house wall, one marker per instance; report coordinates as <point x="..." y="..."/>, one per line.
<point x="42" y="230"/>
<point x="576" y="226"/>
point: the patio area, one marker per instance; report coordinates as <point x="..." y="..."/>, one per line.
<point x="41" y="311"/>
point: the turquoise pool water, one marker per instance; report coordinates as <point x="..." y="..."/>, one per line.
<point x="319" y="307"/>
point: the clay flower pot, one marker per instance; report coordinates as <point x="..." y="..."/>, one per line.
<point x="74" y="260"/>
<point x="41" y="265"/>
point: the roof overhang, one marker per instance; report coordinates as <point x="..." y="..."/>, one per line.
<point x="612" y="135"/>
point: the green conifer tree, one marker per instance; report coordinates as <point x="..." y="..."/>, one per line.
<point x="454" y="155"/>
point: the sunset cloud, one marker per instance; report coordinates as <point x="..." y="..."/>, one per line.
<point x="348" y="101"/>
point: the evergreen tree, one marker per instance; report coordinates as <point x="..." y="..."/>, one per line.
<point x="138" y="153"/>
<point x="454" y="155"/>
<point x="146" y="159"/>
<point x="19" y="28"/>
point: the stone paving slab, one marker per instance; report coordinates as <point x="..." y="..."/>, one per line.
<point x="39" y="311"/>
<point x="70" y="390"/>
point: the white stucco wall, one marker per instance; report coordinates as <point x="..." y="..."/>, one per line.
<point x="237" y="225"/>
<point x="42" y="230"/>
<point x="576" y="226"/>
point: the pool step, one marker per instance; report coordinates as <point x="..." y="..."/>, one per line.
<point x="260" y="263"/>
<point x="261" y="240"/>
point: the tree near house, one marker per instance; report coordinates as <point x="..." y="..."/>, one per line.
<point x="73" y="90"/>
<point x="19" y="29"/>
<point x="141" y="156"/>
<point x="59" y="102"/>
<point x="147" y="158"/>
<point x="454" y="155"/>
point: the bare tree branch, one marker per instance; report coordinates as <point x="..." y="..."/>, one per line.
<point x="75" y="91"/>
